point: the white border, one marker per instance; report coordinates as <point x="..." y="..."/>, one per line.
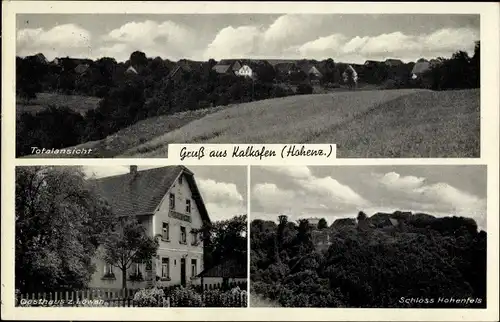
<point x="489" y="155"/>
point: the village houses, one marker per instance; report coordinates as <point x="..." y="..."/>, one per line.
<point x="169" y="205"/>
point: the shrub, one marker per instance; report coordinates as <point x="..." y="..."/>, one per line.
<point x="153" y="297"/>
<point x="304" y="89"/>
<point x="186" y="297"/>
<point x="213" y="298"/>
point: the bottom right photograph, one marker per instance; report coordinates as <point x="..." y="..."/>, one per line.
<point x="406" y="236"/>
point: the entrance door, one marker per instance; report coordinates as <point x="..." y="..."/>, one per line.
<point x="183" y="271"/>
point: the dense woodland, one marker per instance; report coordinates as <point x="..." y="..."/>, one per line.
<point x="370" y="263"/>
<point x="129" y="97"/>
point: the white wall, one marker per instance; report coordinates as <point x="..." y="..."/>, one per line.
<point x="174" y="249"/>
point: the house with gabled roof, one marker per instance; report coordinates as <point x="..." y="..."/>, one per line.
<point x="228" y="66"/>
<point x="168" y="203"/>
<point x="228" y="272"/>
<point x="82" y="69"/>
<point x="286" y="68"/>
<point x="393" y="62"/>
<point x="311" y="71"/>
<point x="131" y="70"/>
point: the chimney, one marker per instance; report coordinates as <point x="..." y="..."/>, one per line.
<point x="133" y="169"/>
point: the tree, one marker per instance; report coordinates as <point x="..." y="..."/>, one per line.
<point x="138" y="58"/>
<point x="60" y="221"/>
<point x="361" y="216"/>
<point x="126" y="244"/>
<point x="322" y="223"/>
<point x="224" y="240"/>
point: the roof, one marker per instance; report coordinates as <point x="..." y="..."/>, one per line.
<point x="230" y="268"/>
<point x="222" y="69"/>
<point x="131" y="69"/>
<point x="420" y="67"/>
<point x="141" y="193"/>
<point x="394" y="221"/>
<point x="81" y="68"/>
<point x="371" y="62"/>
<point x="393" y="61"/>
<point x="285" y="67"/>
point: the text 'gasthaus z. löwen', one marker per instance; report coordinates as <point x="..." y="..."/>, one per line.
<point x="251" y="153"/>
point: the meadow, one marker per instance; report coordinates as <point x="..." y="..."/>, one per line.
<point x="383" y="123"/>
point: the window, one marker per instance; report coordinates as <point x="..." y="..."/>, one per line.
<point x="180" y="179"/>
<point x="172" y="201"/>
<point x="194" y="238"/>
<point x="108" y="269"/>
<point x="183" y="235"/>
<point x="188" y="206"/>
<point x="137" y="268"/>
<point x="165" y="267"/>
<point x="165" y="233"/>
<point x="193" y="267"/>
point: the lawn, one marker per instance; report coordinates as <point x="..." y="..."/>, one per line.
<point x="380" y="123"/>
<point x="77" y="103"/>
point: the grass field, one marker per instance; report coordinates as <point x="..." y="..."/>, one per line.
<point x="364" y="124"/>
<point x="382" y="123"/>
<point x="77" y="103"/>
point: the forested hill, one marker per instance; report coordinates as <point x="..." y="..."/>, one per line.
<point x="387" y="260"/>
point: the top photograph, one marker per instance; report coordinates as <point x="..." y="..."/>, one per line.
<point x="129" y="85"/>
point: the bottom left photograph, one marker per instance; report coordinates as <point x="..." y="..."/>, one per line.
<point x="131" y="236"/>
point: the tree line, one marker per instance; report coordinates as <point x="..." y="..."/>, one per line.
<point x="130" y="97"/>
<point x="370" y="263"/>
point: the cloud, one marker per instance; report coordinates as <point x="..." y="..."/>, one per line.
<point x="67" y="39"/>
<point x="335" y="191"/>
<point x="220" y="211"/>
<point x="294" y="36"/>
<point x="236" y="42"/>
<point x="317" y="47"/>
<point x="393" y="180"/>
<point x="219" y="192"/>
<point x="438" y="198"/>
<point x="443" y="42"/>
<point x="311" y="196"/>
<point x="166" y="39"/>
<point x="272" y="198"/>
<point x="291" y="171"/>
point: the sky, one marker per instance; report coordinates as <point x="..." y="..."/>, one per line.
<point x="223" y="188"/>
<point x="333" y="192"/>
<point x="350" y="38"/>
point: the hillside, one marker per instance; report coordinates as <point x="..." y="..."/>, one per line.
<point x="77" y="103"/>
<point x="136" y="134"/>
<point x="384" y="123"/>
<point x="381" y="123"/>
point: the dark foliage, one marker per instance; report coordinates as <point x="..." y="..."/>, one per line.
<point x="422" y="258"/>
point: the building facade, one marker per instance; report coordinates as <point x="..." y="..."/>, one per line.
<point x="168" y="204"/>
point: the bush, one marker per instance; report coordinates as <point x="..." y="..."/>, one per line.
<point x="213" y="298"/>
<point x="153" y="297"/>
<point x="304" y="89"/>
<point x="185" y="297"/>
